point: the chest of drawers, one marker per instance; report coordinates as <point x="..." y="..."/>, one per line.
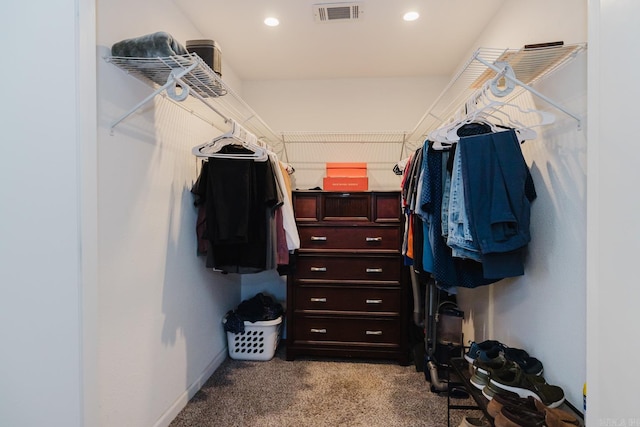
<point x="347" y="295"/>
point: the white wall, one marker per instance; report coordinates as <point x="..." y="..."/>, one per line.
<point x="344" y="105"/>
<point x="613" y="296"/>
<point x="46" y="159"/>
<point x="159" y="309"/>
<point x="41" y="263"/>
<point x="544" y="310"/>
<point x="40" y="256"/>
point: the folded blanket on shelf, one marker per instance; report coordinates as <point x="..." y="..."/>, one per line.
<point x="159" y="44"/>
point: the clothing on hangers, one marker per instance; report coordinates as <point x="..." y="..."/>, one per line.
<point x="245" y="217"/>
<point x="449" y="198"/>
<point x="238" y="136"/>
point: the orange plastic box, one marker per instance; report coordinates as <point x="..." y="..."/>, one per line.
<point x="345" y="183"/>
<point x="346" y="169"/>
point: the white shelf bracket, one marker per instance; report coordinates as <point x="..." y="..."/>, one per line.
<point x="170" y="86"/>
<point x="510" y="76"/>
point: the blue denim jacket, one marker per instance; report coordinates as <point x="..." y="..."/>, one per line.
<point x="496" y="179"/>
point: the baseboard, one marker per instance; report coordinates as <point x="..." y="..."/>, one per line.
<point x="184" y="398"/>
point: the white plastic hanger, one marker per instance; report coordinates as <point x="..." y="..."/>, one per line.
<point x="238" y="135"/>
<point x="481" y="108"/>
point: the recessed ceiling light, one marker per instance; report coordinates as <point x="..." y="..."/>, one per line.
<point x="272" y="22"/>
<point x="411" y="16"/>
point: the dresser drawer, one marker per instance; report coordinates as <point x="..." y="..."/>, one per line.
<point x="362" y="268"/>
<point x="344" y="329"/>
<point x="344" y="238"/>
<point x="357" y="207"/>
<point x="348" y="298"/>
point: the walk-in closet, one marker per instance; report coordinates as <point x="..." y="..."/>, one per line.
<point x="377" y="151"/>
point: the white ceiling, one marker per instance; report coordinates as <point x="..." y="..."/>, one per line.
<point x="379" y="44"/>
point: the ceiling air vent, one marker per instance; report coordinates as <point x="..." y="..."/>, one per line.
<point x="337" y="12"/>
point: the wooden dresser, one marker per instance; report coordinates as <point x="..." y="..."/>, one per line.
<point x="347" y="295"/>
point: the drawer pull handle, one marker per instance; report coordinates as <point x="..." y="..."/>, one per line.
<point x="318" y="238"/>
<point x="374" y="332"/>
<point x="374" y="301"/>
<point x="373" y="239"/>
<point x="373" y="270"/>
<point x="318" y="331"/>
<point x="318" y="299"/>
<point x="319" y="269"/>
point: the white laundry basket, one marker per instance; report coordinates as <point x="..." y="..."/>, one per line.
<point x="259" y="340"/>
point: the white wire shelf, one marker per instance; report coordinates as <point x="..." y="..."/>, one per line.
<point x="184" y="79"/>
<point x="189" y="71"/>
<point x="302" y="137"/>
<point x="528" y="65"/>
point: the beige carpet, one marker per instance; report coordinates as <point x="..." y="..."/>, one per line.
<point x="317" y="392"/>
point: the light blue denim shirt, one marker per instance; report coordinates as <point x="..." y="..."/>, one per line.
<point x="459" y="237"/>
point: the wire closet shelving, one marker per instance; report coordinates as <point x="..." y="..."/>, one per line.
<point x="187" y="78"/>
<point x="523" y="67"/>
<point x="192" y="85"/>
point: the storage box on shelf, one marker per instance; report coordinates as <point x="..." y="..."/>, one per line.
<point x="346" y="169"/>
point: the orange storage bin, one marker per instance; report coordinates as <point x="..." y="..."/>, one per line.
<point x="345" y="183"/>
<point x="346" y="169"/>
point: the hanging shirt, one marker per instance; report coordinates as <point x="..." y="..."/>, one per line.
<point x="239" y="193"/>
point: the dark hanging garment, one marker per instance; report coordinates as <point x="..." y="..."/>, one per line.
<point x="498" y="195"/>
<point x="447" y="270"/>
<point x="199" y="190"/>
<point x="240" y="193"/>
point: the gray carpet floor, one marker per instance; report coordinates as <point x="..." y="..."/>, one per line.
<point x="317" y="392"/>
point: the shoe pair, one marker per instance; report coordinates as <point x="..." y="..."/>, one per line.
<point x="478" y="349"/>
<point x="513" y="379"/>
<point x="509" y="409"/>
<point x="485" y="364"/>
<point x="487" y="349"/>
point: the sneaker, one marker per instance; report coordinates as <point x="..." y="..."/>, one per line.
<point x="484" y="365"/>
<point x="477" y="349"/>
<point x="489" y="391"/>
<point x="517" y="381"/>
<point x="529" y="364"/>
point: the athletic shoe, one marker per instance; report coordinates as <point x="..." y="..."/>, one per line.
<point x="529" y="364"/>
<point x="489" y="391"/>
<point x="484" y="365"/>
<point x="517" y="381"/>
<point x="477" y="349"/>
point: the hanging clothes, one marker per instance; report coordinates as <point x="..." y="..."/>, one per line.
<point x="244" y="213"/>
<point x="240" y="195"/>
<point x="473" y="201"/>
<point x="500" y="191"/>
